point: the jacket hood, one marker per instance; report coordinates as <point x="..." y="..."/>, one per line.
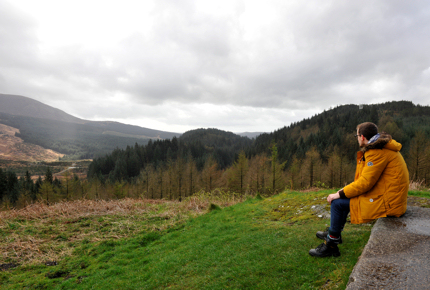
<point x="384" y="141"/>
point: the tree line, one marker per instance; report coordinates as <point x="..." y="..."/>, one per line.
<point x="18" y="192"/>
<point x="318" y="151"/>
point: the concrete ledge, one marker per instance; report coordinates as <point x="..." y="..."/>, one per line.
<point x="397" y="255"/>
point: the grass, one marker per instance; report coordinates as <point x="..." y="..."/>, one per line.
<point x="419" y="197"/>
<point x="255" y="244"/>
<point x="39" y="233"/>
<point x="420" y="193"/>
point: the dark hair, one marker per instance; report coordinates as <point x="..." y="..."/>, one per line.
<point x="367" y="129"/>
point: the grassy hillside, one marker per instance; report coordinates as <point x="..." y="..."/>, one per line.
<point x="255" y="244"/>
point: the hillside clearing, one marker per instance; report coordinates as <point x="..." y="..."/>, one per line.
<point x="15" y="149"/>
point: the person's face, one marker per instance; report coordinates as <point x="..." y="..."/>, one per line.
<point x="360" y="139"/>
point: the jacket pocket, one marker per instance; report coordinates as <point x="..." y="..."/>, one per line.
<point x="372" y="208"/>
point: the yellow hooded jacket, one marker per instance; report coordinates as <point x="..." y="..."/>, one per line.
<point x="381" y="182"/>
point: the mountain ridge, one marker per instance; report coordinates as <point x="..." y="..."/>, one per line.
<point x="51" y="128"/>
<point x="27" y="107"/>
<point x="43" y="125"/>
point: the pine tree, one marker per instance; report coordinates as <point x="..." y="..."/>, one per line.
<point x="294" y="172"/>
<point x="191" y="169"/>
<point x="47" y="192"/>
<point x="159" y="174"/>
<point x="237" y="174"/>
<point x="259" y="172"/>
<point x="180" y="176"/>
<point x="210" y="174"/>
<point x="120" y="171"/>
<point x="170" y="176"/>
<point x="48" y="176"/>
<point x="12" y="187"/>
<point x="312" y="162"/>
<point x="418" y="157"/>
<point x="331" y="174"/>
<point x="2" y="184"/>
<point x="66" y="184"/>
<point x="276" y="170"/>
<point x="146" y="177"/>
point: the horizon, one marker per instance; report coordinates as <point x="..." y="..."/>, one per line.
<point x="360" y="106"/>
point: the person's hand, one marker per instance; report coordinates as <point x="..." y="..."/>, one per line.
<point x="332" y="197"/>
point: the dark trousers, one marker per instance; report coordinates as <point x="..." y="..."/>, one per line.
<point x="339" y="213"/>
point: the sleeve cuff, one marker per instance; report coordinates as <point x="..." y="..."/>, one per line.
<point x="342" y="194"/>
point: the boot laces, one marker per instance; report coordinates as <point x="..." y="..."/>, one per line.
<point x="320" y="247"/>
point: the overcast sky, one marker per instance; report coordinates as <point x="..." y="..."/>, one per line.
<point x="234" y="65"/>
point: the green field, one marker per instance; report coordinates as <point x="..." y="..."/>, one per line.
<point x="256" y="244"/>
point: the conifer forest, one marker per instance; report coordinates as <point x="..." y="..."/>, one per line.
<point x="319" y="151"/>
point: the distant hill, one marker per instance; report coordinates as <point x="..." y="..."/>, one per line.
<point x="334" y="129"/>
<point x="116" y="128"/>
<point x="319" y="150"/>
<point x="54" y="129"/>
<point x="215" y="138"/>
<point x="250" y="134"/>
<point x="195" y="146"/>
<point x="23" y="106"/>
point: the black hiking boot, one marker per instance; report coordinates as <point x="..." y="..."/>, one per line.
<point x="326" y="249"/>
<point x="323" y="235"/>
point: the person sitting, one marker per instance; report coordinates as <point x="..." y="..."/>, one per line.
<point x="380" y="188"/>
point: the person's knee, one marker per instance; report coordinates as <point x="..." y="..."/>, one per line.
<point x="336" y="203"/>
<point x="340" y="205"/>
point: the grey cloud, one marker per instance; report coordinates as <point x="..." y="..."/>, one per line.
<point x="311" y="55"/>
<point x="193" y="58"/>
<point x="18" y="49"/>
<point x="19" y="44"/>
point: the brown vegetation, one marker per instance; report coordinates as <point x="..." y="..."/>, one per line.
<point x="14" y="148"/>
<point x="39" y="233"/>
